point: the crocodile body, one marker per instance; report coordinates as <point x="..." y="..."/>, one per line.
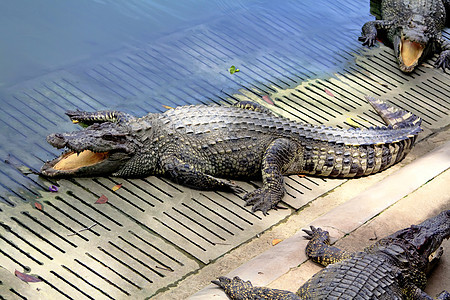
<point x="396" y="267"/>
<point x="199" y="145"/>
<point x="413" y="28"/>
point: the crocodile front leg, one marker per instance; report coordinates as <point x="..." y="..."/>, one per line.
<point x="413" y="292"/>
<point x="277" y="157"/>
<point x="238" y="289"/>
<point x="85" y="118"/>
<point x="186" y="174"/>
<point x="443" y="60"/>
<point x="319" y="249"/>
<point x="370" y="31"/>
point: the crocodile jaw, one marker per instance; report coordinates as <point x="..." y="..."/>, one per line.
<point x="89" y="153"/>
<point x="84" y="163"/>
<point x="409" y="54"/>
<point x="71" y="161"/>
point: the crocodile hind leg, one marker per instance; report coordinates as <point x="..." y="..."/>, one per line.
<point x="238" y="289"/>
<point x="370" y="31"/>
<point x="319" y="249"/>
<point x="85" y="118"/>
<point x="186" y="174"/>
<point x="277" y="157"/>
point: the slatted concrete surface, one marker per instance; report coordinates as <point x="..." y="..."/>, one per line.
<point x="152" y="233"/>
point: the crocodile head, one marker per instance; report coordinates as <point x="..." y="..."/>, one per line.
<point x="428" y="236"/>
<point x="426" y="239"/>
<point x="100" y="149"/>
<point x="411" y="43"/>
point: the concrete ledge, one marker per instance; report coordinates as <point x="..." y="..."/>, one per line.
<point x="344" y="219"/>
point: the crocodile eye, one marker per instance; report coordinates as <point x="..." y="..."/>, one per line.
<point x="108" y="137"/>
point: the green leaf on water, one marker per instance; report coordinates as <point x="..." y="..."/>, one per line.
<point x="233" y="70"/>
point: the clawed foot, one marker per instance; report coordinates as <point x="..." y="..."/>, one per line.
<point x="368" y="39"/>
<point x="443" y="60"/>
<point x="262" y="199"/>
<point x="317" y="234"/>
<point x="444" y="295"/>
<point x="235" y="288"/>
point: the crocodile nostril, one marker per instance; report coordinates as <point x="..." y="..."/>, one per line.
<point x="57" y="140"/>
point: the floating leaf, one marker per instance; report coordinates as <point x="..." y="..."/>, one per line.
<point x="267" y="99"/>
<point x="25" y="170"/>
<point x="167" y="107"/>
<point x="38" y="205"/>
<point x="275" y="241"/>
<point x="382" y="84"/>
<point x="75" y="121"/>
<point x="11" y="160"/>
<point x="53" y="188"/>
<point x="116" y="187"/>
<point x="26" y="277"/>
<point x="352" y="123"/>
<point x="233" y="69"/>
<point x="328" y="92"/>
<point x="102" y="200"/>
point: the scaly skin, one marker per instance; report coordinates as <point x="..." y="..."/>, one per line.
<point x="395" y="267"/>
<point x="414" y="30"/>
<point x="198" y="145"/>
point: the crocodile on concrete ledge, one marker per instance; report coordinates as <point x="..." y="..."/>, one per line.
<point x="198" y="145"/>
<point x="414" y="30"/>
<point x="396" y="267"/>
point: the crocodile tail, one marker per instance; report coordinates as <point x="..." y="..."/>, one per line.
<point x="393" y="116"/>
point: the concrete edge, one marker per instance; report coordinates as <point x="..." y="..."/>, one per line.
<point x="341" y="220"/>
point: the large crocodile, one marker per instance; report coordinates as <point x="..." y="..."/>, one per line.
<point x="395" y="267"/>
<point x="413" y="27"/>
<point x="198" y="145"/>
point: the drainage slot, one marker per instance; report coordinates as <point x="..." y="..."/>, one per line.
<point x="114" y="271"/>
<point x="104" y="278"/>
<point x="176" y="232"/>
<point x="38" y="235"/>
<point x="71" y="284"/>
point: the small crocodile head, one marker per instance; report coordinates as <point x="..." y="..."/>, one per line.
<point x="428" y="236"/>
<point x="100" y="149"/>
<point x="411" y="43"/>
<point x="426" y="239"/>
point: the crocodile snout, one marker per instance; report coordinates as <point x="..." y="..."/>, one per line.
<point x="57" y="140"/>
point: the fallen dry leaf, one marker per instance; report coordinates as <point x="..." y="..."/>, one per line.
<point x="352" y="123"/>
<point x="102" y="200"/>
<point x="267" y="99"/>
<point x="26" y="277"/>
<point x="328" y="93"/>
<point x="38" y="205"/>
<point x="301" y="175"/>
<point x="116" y="187"/>
<point x="167" y="107"/>
<point x="275" y="241"/>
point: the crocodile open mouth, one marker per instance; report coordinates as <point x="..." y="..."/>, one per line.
<point x="70" y="161"/>
<point x="410" y="52"/>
